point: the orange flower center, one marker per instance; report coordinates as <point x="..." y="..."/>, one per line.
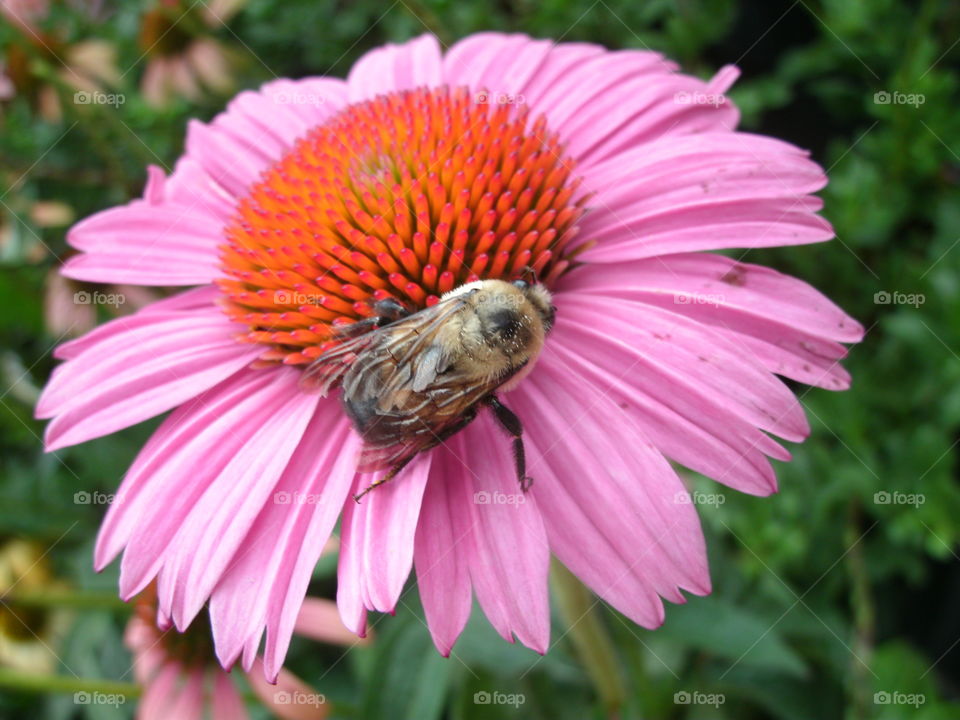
<point x="407" y="196"/>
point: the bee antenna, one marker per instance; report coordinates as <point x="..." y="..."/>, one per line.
<point x="529" y="271"/>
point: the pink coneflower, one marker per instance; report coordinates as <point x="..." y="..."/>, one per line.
<point x="182" y="679"/>
<point x="608" y="174"/>
<point x="183" y="60"/>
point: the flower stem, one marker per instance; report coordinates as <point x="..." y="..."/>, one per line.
<point x="74" y="599"/>
<point x="596" y="651"/>
<point x="864" y="615"/>
<point x="33" y="682"/>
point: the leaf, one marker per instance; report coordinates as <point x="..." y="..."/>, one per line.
<point x="731" y="632"/>
<point x="410" y="679"/>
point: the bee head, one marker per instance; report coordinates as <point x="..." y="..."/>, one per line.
<point x="502" y="324"/>
<point x="542" y="301"/>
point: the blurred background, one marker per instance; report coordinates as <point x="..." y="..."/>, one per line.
<point x="836" y="598"/>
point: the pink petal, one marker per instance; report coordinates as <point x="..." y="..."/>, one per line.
<point x="706" y="439"/>
<point x="789" y="326"/>
<point x="351" y="595"/>
<point x="640" y="111"/>
<point x="290" y="698"/>
<point x="396" y="67"/>
<point x="188" y="703"/>
<point x="184" y="456"/>
<point x="140" y="638"/>
<point x="319" y="620"/>
<point x="258" y="128"/>
<point x="614" y="101"/>
<point x="187" y="300"/>
<point x="655" y="346"/>
<point x="191" y="185"/>
<point x="510" y="556"/>
<point x="266" y="583"/>
<point x="613" y="507"/>
<point x="496" y="62"/>
<point x="385" y="518"/>
<point x="196" y="299"/>
<point x="146" y="244"/>
<point x="704" y="191"/>
<point x="226" y="703"/>
<point x="214" y="529"/>
<point x="158" y="694"/>
<point x="156" y="362"/>
<point x="442" y="554"/>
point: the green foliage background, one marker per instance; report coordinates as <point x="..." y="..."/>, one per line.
<point x="823" y="596"/>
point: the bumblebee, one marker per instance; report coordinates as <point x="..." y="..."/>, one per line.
<point x="410" y="380"/>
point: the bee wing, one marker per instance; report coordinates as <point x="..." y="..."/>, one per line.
<point x="401" y="343"/>
<point x="328" y="369"/>
<point x="420" y="397"/>
<point x="422" y="432"/>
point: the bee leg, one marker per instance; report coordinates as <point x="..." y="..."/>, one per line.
<point x="394" y="471"/>
<point x="511" y="423"/>
<point x="386" y="311"/>
<point x="389" y="310"/>
<point x="467" y="418"/>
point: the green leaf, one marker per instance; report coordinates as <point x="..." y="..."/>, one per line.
<point x="722" y="629"/>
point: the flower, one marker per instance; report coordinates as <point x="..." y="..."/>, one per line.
<point x="610" y="173"/>
<point x="28" y="630"/>
<point x="26" y="66"/>
<point x="181" y="678"/>
<point x="183" y="59"/>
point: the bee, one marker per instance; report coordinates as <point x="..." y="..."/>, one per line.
<point x="410" y="380"/>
